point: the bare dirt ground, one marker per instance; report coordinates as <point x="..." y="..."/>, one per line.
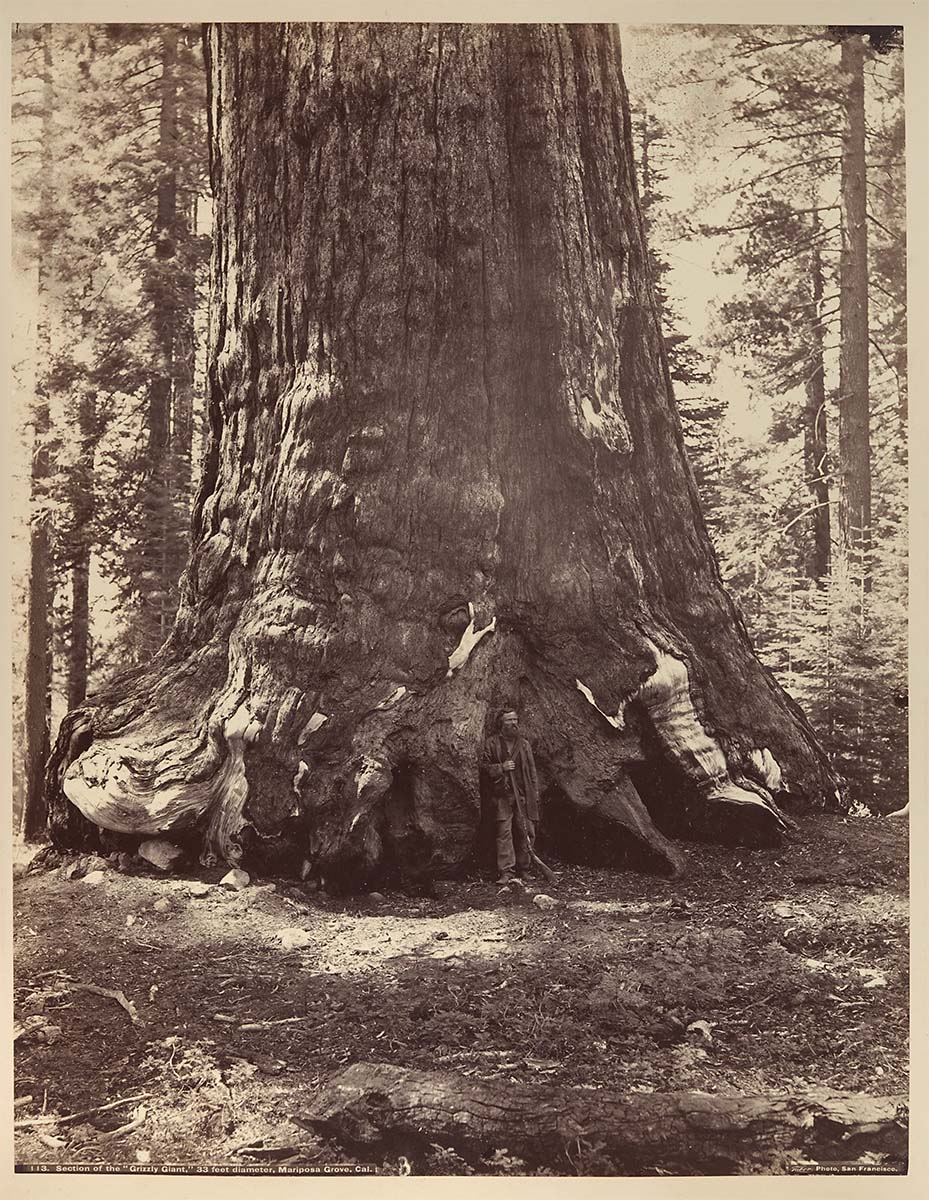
<point x="762" y="972"/>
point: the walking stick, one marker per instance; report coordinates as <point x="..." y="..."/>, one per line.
<point x="547" y="873"/>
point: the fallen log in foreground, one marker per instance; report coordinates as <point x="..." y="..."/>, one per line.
<point x="378" y="1105"/>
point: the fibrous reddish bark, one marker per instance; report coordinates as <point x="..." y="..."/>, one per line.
<point x="446" y="474"/>
<point x="380" y="1105"/>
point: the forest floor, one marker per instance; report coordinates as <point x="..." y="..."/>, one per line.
<point x="759" y="972"/>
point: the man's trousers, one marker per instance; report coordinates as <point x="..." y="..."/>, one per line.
<point x="515" y="835"/>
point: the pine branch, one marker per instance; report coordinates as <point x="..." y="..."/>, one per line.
<point x="807" y="162"/>
<point x="141" y="71"/>
<point x="718" y="230"/>
<point x="758" y="92"/>
<point x="799" y="251"/>
<point x="890" y="367"/>
<point x="826" y="322"/>
<point x="758" y="114"/>
<point x="807" y="482"/>
<point x="763" y="85"/>
<point x="891" y="405"/>
<point x="806" y="512"/>
<point x="879" y="187"/>
<point x="786" y="137"/>
<point x="780" y="382"/>
<point x="761" y="46"/>
<point x="802" y="123"/>
<point x="893" y="236"/>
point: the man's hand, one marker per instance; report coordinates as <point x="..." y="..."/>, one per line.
<point x="509" y="765"/>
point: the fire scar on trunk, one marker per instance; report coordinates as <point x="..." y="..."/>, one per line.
<point x="666" y="699"/>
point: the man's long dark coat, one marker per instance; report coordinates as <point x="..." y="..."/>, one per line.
<point x="495" y="754"/>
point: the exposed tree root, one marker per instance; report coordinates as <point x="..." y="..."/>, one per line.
<point x="384" y="783"/>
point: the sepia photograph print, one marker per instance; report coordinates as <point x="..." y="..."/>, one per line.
<point x="459" y="491"/>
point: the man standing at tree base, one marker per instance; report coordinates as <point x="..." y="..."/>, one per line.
<point x="509" y="764"/>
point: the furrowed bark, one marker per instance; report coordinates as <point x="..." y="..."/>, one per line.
<point x="38" y="634"/>
<point x="379" y="1105"/>
<point x="445" y="474"/>
<point x="854" y="398"/>
<point x="81" y="490"/>
<point x="815" y="445"/>
<point x="159" y="581"/>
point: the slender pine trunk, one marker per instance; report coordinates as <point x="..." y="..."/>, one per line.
<point x="815" y="445"/>
<point x="159" y="587"/>
<point x="82" y="499"/>
<point x="38" y="653"/>
<point x="854" y="459"/>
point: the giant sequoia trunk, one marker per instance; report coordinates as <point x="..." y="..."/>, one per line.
<point x="446" y="474"/>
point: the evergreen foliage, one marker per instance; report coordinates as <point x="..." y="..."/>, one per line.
<point x="834" y="632"/>
<point x="701" y="411"/>
<point x="122" y="285"/>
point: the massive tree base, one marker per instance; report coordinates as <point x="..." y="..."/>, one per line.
<point x="370" y="1105"/>
<point x="389" y="787"/>
<point x="445" y="476"/>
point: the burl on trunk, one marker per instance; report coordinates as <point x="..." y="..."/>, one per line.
<point x="446" y="474"/>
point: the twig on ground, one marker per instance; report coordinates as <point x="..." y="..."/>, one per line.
<point x="267" y="1024"/>
<point x="28" y="1122"/>
<point x="119" y="997"/>
<point x="22" y="1100"/>
<point x="270" y="1066"/>
<point x="130" y="1127"/>
<point x="279" y="1154"/>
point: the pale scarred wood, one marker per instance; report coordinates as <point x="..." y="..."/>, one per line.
<point x="377" y="1104"/>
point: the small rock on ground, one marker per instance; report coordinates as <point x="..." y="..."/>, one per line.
<point x="162" y="905"/>
<point x="294" y="938"/>
<point x="544" y="902"/>
<point x="95" y="877"/>
<point x="236" y="880"/>
<point x="160" y="853"/>
<point x="84" y="866"/>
